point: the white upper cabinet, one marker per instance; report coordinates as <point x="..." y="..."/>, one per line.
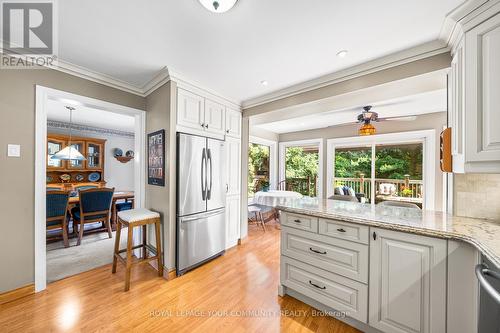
<point x="407" y="288"/>
<point x="214" y="117"/>
<point x="200" y="115"/>
<point x="233" y="123"/>
<point x="190" y="110"/>
<point x="482" y="92"/>
<point x="474" y="85"/>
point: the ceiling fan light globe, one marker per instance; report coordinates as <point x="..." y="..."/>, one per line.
<point x="218" y="6"/>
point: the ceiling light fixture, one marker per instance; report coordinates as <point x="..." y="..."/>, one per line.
<point x="264" y="82"/>
<point x="342" y="54"/>
<point x="218" y="6"/>
<point x="70" y="152"/>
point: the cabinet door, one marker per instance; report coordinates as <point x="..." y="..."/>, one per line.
<point x="215" y="117"/>
<point x="53" y="146"/>
<point x="232" y="220"/>
<point x="407" y="282"/>
<point x="190" y="109"/>
<point x="95" y="155"/>
<point x="233" y="166"/>
<point x="482" y="91"/>
<point x="233" y="123"/>
<point x="77" y="164"/>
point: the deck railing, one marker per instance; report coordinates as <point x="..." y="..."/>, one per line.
<point x="305" y="186"/>
<point x="414" y="188"/>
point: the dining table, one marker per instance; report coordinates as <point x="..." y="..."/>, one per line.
<point x="118" y="195"/>
<point x="274" y="198"/>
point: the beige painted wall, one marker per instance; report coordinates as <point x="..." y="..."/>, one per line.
<point x="160" y="106"/>
<point x="434" y="121"/>
<point x="477" y="195"/>
<point x="17" y="175"/>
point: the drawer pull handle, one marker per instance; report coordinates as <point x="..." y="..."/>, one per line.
<point x="341" y="230"/>
<point x="297" y="221"/>
<point x="316" y="251"/>
<point x="315" y="285"/>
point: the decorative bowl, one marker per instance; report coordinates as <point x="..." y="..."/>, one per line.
<point x="79" y="177"/>
<point x="129" y="153"/>
<point x="65" y="177"/>
<point x="117" y="152"/>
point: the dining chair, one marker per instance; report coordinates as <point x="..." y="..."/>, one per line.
<point x="94" y="206"/>
<point x="57" y="213"/>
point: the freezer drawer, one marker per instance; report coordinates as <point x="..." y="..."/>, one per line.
<point x="200" y="237"/>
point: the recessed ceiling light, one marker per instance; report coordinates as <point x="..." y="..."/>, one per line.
<point x="264" y="82"/>
<point x="342" y="54"/>
<point x="218" y="6"/>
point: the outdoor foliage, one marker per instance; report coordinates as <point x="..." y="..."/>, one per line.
<point x="258" y="160"/>
<point x="392" y="162"/>
<point x="300" y="166"/>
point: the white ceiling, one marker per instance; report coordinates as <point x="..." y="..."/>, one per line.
<point x="87" y="116"/>
<point x="414" y="105"/>
<point x="281" y="41"/>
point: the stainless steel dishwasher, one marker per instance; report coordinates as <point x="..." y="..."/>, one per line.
<point x="489" y="297"/>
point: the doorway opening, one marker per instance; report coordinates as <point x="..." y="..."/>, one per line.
<point x="90" y="150"/>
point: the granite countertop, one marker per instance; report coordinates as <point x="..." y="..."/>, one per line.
<point x="483" y="234"/>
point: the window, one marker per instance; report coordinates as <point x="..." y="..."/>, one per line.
<point x="301" y="167"/>
<point x="258" y="168"/>
<point x="387" y="167"/>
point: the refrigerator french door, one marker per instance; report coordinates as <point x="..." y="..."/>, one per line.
<point x="201" y="197"/>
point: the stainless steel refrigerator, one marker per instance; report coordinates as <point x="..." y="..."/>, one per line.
<point x="201" y="198"/>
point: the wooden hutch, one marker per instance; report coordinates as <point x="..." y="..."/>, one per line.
<point x="69" y="174"/>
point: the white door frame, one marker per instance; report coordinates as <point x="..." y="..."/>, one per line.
<point x="273" y="158"/>
<point x="311" y="142"/>
<point x="426" y="137"/>
<point x="43" y="95"/>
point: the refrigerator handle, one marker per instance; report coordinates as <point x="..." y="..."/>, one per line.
<point x="209" y="189"/>
<point x="203" y="174"/>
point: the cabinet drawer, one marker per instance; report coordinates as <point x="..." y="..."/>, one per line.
<point x="334" y="255"/>
<point x="337" y="292"/>
<point x="303" y="222"/>
<point x="343" y="230"/>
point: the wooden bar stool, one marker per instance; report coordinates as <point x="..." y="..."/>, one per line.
<point x="136" y="218"/>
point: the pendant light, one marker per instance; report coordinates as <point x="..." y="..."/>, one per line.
<point x="218" y="6"/>
<point x="69" y="153"/>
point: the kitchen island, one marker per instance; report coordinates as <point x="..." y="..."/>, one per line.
<point x="388" y="269"/>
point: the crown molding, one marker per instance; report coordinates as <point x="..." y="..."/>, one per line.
<point x="461" y="19"/>
<point x="85" y="128"/>
<point x="395" y="59"/>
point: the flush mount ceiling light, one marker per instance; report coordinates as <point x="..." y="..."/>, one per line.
<point x="342" y="54"/>
<point x="218" y="6"/>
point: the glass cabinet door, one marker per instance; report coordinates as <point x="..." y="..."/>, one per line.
<point x="94" y="155"/>
<point x="75" y="164"/>
<point x="53" y="146"/>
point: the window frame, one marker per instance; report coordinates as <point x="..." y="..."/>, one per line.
<point x="426" y="137"/>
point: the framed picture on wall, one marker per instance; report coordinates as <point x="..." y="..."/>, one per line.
<point x="156" y="158"/>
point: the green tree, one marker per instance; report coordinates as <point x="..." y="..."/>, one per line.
<point x="303" y="164"/>
<point x="258" y="160"/>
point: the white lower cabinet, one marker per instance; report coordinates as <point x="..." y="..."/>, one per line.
<point x="335" y="291"/>
<point x="232" y="220"/>
<point x="407" y="282"/>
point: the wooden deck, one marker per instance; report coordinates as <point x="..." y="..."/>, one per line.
<point x="244" y="279"/>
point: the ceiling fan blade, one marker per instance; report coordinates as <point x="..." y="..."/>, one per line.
<point x="405" y="118"/>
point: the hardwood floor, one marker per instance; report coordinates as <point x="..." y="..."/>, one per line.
<point x="211" y="298"/>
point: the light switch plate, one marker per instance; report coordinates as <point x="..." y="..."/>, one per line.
<point x="13" y="150"/>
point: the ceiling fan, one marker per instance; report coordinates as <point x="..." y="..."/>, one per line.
<point x="368" y="116"/>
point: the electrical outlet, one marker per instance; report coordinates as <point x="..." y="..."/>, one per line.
<point x="13" y="150"/>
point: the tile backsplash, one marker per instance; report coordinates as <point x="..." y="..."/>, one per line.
<point x="477" y="195"/>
